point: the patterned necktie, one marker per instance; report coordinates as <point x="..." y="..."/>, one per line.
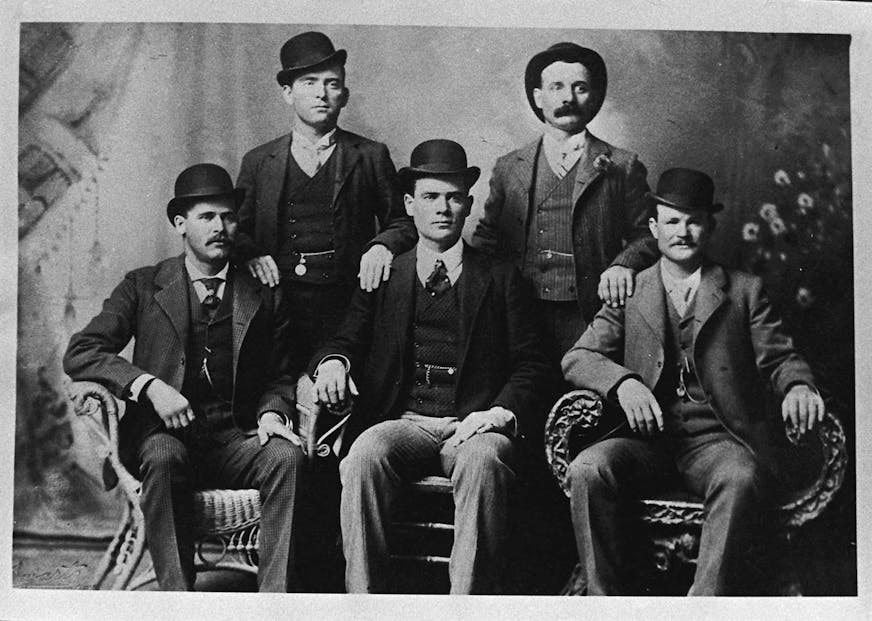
<point x="211" y="301"/>
<point x="438" y="282"/>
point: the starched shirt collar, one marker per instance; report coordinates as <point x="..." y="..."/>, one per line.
<point x="196" y="275"/>
<point x="680" y="290"/>
<point x="426" y="261"/>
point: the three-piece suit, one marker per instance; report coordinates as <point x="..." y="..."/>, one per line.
<point x="720" y="441"/>
<point x="317" y="228"/>
<point x="253" y="367"/>
<point x="596" y="214"/>
<point x="497" y="362"/>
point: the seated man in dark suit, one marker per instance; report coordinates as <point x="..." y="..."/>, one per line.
<point x="210" y="394"/>
<point x="451" y="376"/>
<point x="688" y="359"/>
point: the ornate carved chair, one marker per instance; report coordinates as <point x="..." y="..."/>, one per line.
<point x="673" y="520"/>
<point x="227" y="521"/>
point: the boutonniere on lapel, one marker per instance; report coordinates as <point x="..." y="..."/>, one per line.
<point x="603" y="164"/>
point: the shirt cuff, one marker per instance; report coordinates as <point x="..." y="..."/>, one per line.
<point x="345" y="361"/>
<point x="285" y="420"/>
<point x="137" y="385"/>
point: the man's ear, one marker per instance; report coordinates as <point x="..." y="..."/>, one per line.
<point x="652" y="226"/>
<point x="343" y="101"/>
<point x="537" y="97"/>
<point x="286" y="94"/>
<point x="179" y="224"/>
<point x="409" y="200"/>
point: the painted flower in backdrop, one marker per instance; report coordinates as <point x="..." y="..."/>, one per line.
<point x="751" y="232"/>
<point x="782" y="178"/>
<point x="805" y="203"/>
<point x="768" y="212"/>
<point x="804" y="297"/>
<point x="777" y="226"/>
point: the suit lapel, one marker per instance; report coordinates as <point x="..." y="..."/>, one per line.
<point x="710" y="295"/>
<point x="474" y="286"/>
<point x="347" y="155"/>
<point x="525" y="164"/>
<point x="586" y="173"/>
<point x="401" y="294"/>
<point x="650" y="302"/>
<point x="246" y="302"/>
<point x="272" y="176"/>
<point x="172" y="295"/>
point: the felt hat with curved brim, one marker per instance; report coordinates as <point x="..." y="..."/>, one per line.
<point x="568" y="53"/>
<point x="307" y="51"/>
<point x="202" y="181"/>
<point x="437" y="158"/>
<point x="685" y="189"/>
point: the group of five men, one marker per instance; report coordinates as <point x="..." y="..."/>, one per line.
<point x="326" y="261"/>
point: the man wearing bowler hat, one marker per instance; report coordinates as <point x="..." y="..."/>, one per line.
<point x="210" y="389"/>
<point x="568" y="208"/>
<point x="446" y="360"/>
<point x="322" y="212"/>
<point x="689" y="360"/>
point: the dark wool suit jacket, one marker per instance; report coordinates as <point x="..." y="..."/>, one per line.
<point x="500" y="360"/>
<point x="151" y="305"/>
<point x="739" y="349"/>
<point x="608" y="211"/>
<point x="364" y="191"/>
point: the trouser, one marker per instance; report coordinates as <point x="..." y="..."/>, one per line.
<point x="715" y="466"/>
<point x="173" y="465"/>
<point x="388" y="455"/>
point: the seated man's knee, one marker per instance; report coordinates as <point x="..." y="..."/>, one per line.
<point x="591" y="472"/>
<point x="367" y="455"/>
<point x="281" y="455"/>
<point x="162" y="454"/>
<point x="486" y="455"/>
<point x="742" y="477"/>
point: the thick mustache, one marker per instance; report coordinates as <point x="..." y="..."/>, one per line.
<point x="567" y="109"/>
<point x="218" y="238"/>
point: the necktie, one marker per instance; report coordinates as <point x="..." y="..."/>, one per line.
<point x="437" y="282"/>
<point x="211" y="301"/>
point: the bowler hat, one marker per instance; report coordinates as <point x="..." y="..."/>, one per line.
<point x="202" y="181"/>
<point x="685" y="189"/>
<point x="568" y="53"/>
<point x="305" y="51"/>
<point x="435" y="158"/>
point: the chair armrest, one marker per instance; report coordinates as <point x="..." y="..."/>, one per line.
<point x="809" y="502"/>
<point x="576" y="412"/>
<point x="100" y="407"/>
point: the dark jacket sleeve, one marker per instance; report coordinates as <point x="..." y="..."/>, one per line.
<point x="396" y="229"/>
<point x="279" y="393"/>
<point x="486" y="236"/>
<point x="245" y="247"/>
<point x="531" y="375"/>
<point x="92" y="354"/>
<point x="641" y="247"/>
<point x="354" y="336"/>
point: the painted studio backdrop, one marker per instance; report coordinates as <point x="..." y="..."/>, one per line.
<point x="111" y="113"/>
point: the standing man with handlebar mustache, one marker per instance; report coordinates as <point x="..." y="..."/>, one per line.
<point x="569" y="208"/>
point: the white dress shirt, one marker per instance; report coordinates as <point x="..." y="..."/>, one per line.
<point x="310" y="156"/>
<point x="563" y="155"/>
<point x="680" y="290"/>
<point x="452" y="258"/>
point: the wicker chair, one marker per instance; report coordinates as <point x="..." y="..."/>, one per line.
<point x="673" y="520"/>
<point x="227" y="521"/>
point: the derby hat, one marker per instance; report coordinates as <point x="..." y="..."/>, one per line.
<point x="436" y="158"/>
<point x="685" y="189"/>
<point x="202" y="181"/>
<point x="305" y="51"/>
<point x="568" y="53"/>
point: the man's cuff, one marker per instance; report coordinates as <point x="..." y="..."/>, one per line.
<point x="285" y="420"/>
<point x="344" y="360"/>
<point x="612" y="395"/>
<point x="138" y="385"/>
